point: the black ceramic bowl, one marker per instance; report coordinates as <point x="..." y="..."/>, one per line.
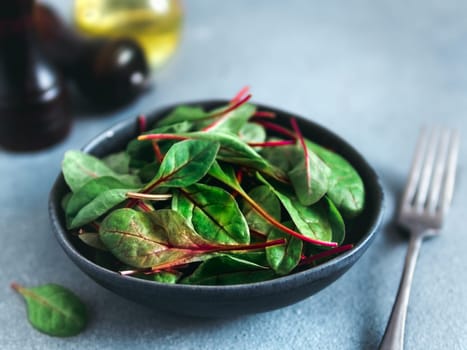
<point x="232" y="300"/>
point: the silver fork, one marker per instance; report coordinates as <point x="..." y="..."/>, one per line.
<point x="423" y="207"/>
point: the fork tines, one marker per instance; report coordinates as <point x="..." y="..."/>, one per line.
<point x="431" y="181"/>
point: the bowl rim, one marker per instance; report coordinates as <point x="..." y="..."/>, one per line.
<point x="286" y="282"/>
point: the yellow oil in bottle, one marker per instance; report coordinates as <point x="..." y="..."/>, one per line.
<point x="155" y="24"/>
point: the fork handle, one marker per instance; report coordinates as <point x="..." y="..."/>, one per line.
<point x="393" y="338"/>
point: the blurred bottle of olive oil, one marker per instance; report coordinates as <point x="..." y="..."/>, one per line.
<point x="155" y="24"/>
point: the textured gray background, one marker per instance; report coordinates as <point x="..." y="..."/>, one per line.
<point x="374" y="72"/>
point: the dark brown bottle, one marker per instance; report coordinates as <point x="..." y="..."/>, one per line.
<point x="33" y="101"/>
<point x="109" y="72"/>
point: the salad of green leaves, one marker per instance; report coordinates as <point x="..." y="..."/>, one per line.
<point x="224" y="196"/>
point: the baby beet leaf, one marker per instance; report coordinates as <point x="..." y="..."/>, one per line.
<point x="78" y="168"/>
<point x="227" y="269"/>
<point x="90" y="191"/>
<point x="98" y="207"/>
<point x="183" y="114"/>
<point x="159" y="239"/>
<point x="227" y="176"/>
<point x="91" y="239"/>
<point x="141" y="240"/>
<point x="307" y="172"/>
<point x="346" y="188"/>
<point x="283" y="259"/>
<point x="269" y="202"/>
<point x="213" y="212"/>
<point x="118" y="162"/>
<point x="53" y="309"/>
<point x="233" y="121"/>
<point x="252" y="133"/>
<point x="185" y="163"/>
<point x="232" y="150"/>
<point x="161" y="276"/>
<point x="310" y="176"/>
<point x="312" y="221"/>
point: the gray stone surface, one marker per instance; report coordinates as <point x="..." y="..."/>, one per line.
<point x="372" y="71"/>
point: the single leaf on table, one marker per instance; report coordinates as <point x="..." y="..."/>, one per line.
<point x="78" y="168"/>
<point x="346" y="188"/>
<point x="269" y="202"/>
<point x="228" y="269"/>
<point x="185" y="163"/>
<point x="320" y="221"/>
<point x="283" y="259"/>
<point x="53" y="309"/>
<point x="213" y="212"/>
<point x="98" y="207"/>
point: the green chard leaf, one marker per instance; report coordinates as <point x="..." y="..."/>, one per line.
<point x="185" y="163"/>
<point x="118" y="162"/>
<point x="269" y="202"/>
<point x="233" y="121"/>
<point x="228" y="269"/>
<point x="251" y="132"/>
<point x="160" y="239"/>
<point x="320" y="221"/>
<point x="235" y="151"/>
<point x="183" y="114"/>
<point x="91" y="190"/>
<point x="92" y="239"/>
<point x="170" y="277"/>
<point x="156" y="239"/>
<point x="346" y="188"/>
<point x="283" y="259"/>
<point x="54" y="310"/>
<point x="310" y="179"/>
<point x="94" y="199"/>
<point x="213" y="212"/>
<point x="78" y="168"/>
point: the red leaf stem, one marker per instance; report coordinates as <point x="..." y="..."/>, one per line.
<point x="325" y="254"/>
<point x="272" y="143"/>
<point x="143" y="206"/>
<point x="282" y="227"/>
<point x="224" y="113"/>
<point x="277" y="128"/>
<point x="160" y="137"/>
<point x="157" y="151"/>
<point x="258" y="234"/>
<point x="241" y="94"/>
<point x="294" y="124"/>
<point x="264" y="114"/>
<point x="142" y="123"/>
